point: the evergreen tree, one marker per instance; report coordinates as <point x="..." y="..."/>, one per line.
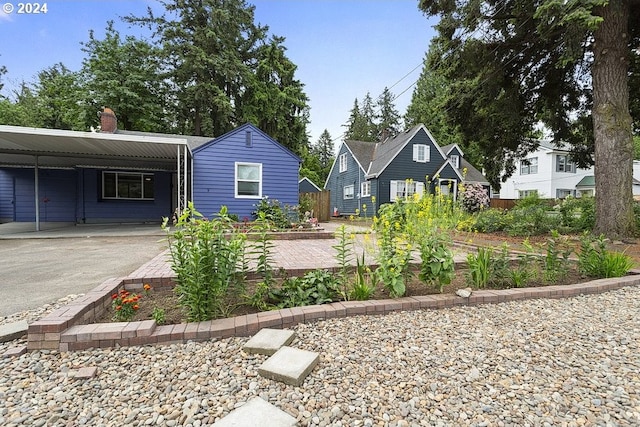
<point x="515" y="64"/>
<point x="208" y="47"/>
<point x="274" y="100"/>
<point x="388" y="117"/>
<point x="324" y="149"/>
<point x="360" y="126"/>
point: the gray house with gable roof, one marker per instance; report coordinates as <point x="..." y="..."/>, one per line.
<point x="411" y="162"/>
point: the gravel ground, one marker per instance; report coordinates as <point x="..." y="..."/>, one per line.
<point x="568" y="362"/>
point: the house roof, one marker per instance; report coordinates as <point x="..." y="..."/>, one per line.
<point x="387" y="150"/>
<point x="362" y="151"/>
<point x="192" y="141"/>
<point x="310" y="182"/>
<point x="19" y="146"/>
<point x="472" y="174"/>
<point x="243" y="128"/>
<point x="447" y="148"/>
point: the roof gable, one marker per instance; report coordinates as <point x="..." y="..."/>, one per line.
<point x="450" y="149"/>
<point x="362" y="152"/>
<point x="308" y="181"/>
<point x="244" y="128"/>
<point x="447" y="170"/>
<point x="387" y="151"/>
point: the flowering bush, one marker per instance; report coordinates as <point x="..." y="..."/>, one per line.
<point x="474" y="198"/>
<point x="125" y="304"/>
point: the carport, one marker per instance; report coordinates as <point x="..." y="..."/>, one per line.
<point x="24" y="147"/>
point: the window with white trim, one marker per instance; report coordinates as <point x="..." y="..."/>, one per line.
<point x="347" y="192"/>
<point x="127" y="185"/>
<point x="455" y="160"/>
<point x="365" y="189"/>
<point x="248" y="180"/>
<point x="343" y="162"/>
<point x="564" y="164"/>
<point x="421" y="153"/>
<point x="562" y="193"/>
<point x="529" y="166"/>
<point x="406" y="188"/>
<point x="523" y="194"/>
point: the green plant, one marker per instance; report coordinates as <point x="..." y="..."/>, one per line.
<point x="579" y="214"/>
<point x="490" y="220"/>
<point x="124" y="304"/>
<point x="271" y="211"/>
<point x="262" y="249"/>
<point x="344" y="257"/>
<point x="556" y="260"/>
<point x="205" y="255"/>
<point x="305" y="204"/>
<point x="519" y="276"/>
<point x="595" y="260"/>
<point x="362" y="290"/>
<point x="437" y="264"/>
<point x="479" y="267"/>
<point x="315" y="287"/>
<point x="159" y="315"/>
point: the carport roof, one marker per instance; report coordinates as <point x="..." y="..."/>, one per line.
<point x="65" y="148"/>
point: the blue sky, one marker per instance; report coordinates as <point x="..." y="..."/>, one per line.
<point x="343" y="48"/>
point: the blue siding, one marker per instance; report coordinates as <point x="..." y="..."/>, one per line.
<point x="403" y="167"/>
<point x="214" y="172"/>
<point x="91" y="208"/>
<point x="56" y="190"/>
<point x="305" y="186"/>
<point x="338" y="180"/>
<point x="6" y="196"/>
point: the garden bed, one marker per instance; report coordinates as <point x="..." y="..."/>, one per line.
<point x="167" y="300"/>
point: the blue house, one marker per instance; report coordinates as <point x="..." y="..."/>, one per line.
<point x="394" y="168"/>
<point x="112" y="176"/>
<point x="240" y="168"/>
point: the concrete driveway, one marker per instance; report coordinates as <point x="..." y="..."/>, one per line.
<point x="37" y="268"/>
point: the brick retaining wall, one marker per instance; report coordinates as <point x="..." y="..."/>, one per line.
<point x="69" y="328"/>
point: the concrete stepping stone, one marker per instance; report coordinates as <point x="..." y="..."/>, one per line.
<point x="257" y="413"/>
<point x="289" y="365"/>
<point x="268" y="341"/>
<point x="12" y="331"/>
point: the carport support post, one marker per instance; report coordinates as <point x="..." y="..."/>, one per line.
<point x="37" y="195"/>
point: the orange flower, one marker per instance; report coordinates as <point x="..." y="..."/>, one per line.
<point x="114" y="296"/>
<point x="118" y="307"/>
<point x="147" y="287"/>
<point x="135" y="307"/>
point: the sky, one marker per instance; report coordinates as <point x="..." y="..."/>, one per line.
<point x="343" y="48"/>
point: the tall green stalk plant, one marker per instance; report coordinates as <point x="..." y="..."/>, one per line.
<point x="206" y="256"/>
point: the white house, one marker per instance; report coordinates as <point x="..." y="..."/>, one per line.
<point x="550" y="173"/>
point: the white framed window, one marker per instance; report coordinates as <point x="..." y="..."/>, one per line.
<point x="421" y="153"/>
<point x="522" y="194"/>
<point x="406" y="188"/>
<point x="455" y="160"/>
<point x="365" y="189"/>
<point x="343" y="162"/>
<point x="248" y="180"/>
<point x="127" y="185"/>
<point x="564" y="164"/>
<point x="529" y="166"/>
<point x="347" y="192"/>
<point x="562" y="193"/>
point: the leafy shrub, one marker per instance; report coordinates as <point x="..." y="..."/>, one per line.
<point x="595" y="260"/>
<point x="315" y="287"/>
<point x="437" y="263"/>
<point x="479" y="267"/>
<point x="530" y="220"/>
<point x="474" y="198"/>
<point x="277" y="215"/>
<point x="490" y="221"/>
<point x="579" y="214"/>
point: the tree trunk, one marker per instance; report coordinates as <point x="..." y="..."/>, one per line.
<point x="612" y="123"/>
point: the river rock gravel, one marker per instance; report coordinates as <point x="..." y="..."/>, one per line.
<point x="562" y="362"/>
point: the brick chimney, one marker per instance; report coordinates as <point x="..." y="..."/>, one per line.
<point x="108" y="120"/>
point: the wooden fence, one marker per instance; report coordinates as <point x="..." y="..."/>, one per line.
<point x="321" y="204"/>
